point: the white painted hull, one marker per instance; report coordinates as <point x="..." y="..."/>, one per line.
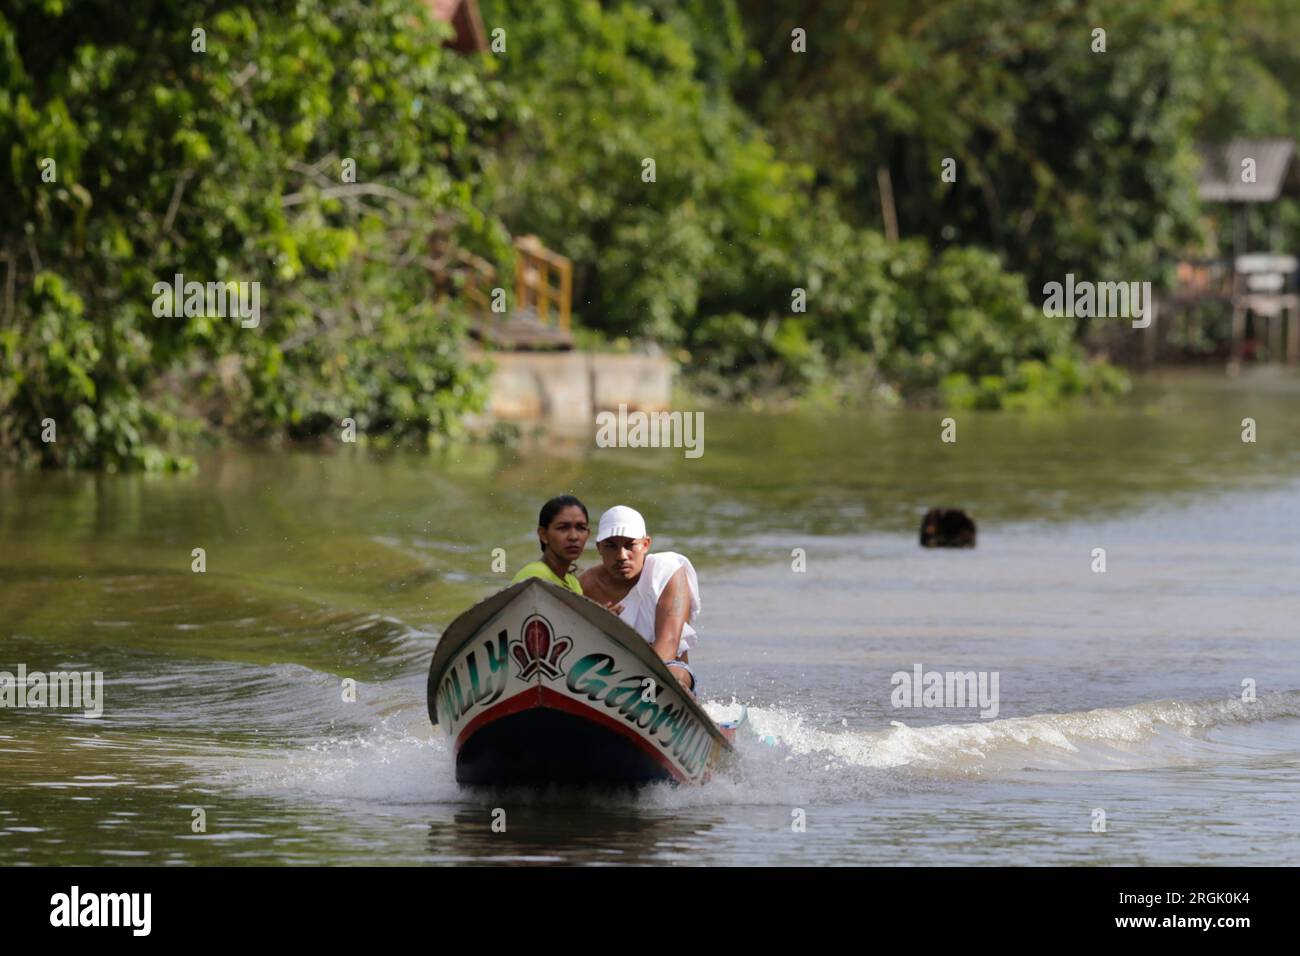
<point x="536" y="685"/>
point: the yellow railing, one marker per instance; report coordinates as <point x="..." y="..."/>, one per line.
<point x="543" y="280"/>
<point x="535" y="266"/>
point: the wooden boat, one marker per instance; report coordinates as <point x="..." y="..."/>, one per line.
<point x="536" y="685"/>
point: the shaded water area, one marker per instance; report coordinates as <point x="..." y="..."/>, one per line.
<point x="1119" y="691"/>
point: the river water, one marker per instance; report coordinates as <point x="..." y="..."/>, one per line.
<point x="1119" y="693"/>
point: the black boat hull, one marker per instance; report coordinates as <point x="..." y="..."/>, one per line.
<point x="545" y="747"/>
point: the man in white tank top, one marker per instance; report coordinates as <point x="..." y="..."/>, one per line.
<point x="657" y="594"/>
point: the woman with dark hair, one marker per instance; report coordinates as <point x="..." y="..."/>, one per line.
<point x="562" y="532"/>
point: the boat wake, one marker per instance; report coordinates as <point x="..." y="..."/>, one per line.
<point x="783" y="758"/>
<point x="1144" y="735"/>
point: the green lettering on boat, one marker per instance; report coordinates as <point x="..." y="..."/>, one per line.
<point x="594" y="688"/>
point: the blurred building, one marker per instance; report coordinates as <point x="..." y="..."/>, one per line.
<point x="1240" y="297"/>
<point x="464" y="18"/>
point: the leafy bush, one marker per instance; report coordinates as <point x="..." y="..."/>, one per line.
<point x="227" y="165"/>
<point x="602" y="89"/>
<point x="1033" y="385"/>
<point x="735" y="356"/>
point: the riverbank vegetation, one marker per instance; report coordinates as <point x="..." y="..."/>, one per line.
<point x="798" y="236"/>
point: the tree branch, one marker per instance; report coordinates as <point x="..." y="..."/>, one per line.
<point x="348" y="191"/>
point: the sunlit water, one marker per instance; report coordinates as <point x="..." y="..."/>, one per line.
<point x="1119" y="692"/>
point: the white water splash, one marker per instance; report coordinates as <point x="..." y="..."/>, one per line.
<point x="401" y="760"/>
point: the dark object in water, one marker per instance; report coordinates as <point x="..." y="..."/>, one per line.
<point x="947" y="528"/>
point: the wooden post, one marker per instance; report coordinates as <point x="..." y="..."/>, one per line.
<point x="887" y="211"/>
<point x="1149" y="339"/>
<point x="1238" y="338"/>
<point x="521" y="289"/>
<point x="543" y="278"/>
<point x="1293" y="335"/>
<point x="566" y="293"/>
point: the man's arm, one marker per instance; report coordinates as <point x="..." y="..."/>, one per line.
<point x="670" y="615"/>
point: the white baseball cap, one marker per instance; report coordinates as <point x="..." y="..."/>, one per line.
<point x="620" y="521"/>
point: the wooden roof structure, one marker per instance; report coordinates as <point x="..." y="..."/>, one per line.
<point x="1277" y="170"/>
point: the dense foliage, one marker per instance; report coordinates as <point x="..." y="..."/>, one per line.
<point x="226" y="164"/>
<point x="716" y="252"/>
<point x="755" y="250"/>
<point x="1066" y="158"/>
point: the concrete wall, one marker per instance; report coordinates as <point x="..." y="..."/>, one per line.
<point x="573" y="386"/>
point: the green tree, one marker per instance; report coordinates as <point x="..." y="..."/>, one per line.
<point x="1066" y="159"/>
<point x="604" y="89"/>
<point x="221" y="156"/>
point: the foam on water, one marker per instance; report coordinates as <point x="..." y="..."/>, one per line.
<point x="1158" y="733"/>
<point x="401" y="759"/>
